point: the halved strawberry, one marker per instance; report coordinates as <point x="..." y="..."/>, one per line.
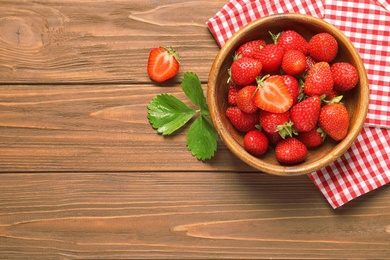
<point x="273" y="94"/>
<point x="163" y="63"/>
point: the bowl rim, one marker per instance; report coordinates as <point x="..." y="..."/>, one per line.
<point x="339" y="149"/>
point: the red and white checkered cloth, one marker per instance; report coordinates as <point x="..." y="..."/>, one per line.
<point x="365" y="166"/>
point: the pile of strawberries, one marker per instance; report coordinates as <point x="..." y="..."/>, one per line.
<point x="287" y="94"/>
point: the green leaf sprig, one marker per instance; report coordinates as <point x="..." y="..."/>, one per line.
<point x="167" y="114"/>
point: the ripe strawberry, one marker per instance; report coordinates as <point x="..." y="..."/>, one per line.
<point x="245" y="101"/>
<point x="319" y="81"/>
<point x="309" y="63"/>
<point x="332" y="95"/>
<point x="255" y="142"/>
<point x="293" y="86"/>
<point x="232" y="93"/>
<point x="305" y="114"/>
<point x="270" y="121"/>
<point x="292" y="40"/>
<point x="273" y="95"/>
<point x="323" y="47"/>
<point x="251" y="49"/>
<point x="271" y="57"/>
<point x="313" y="138"/>
<point x="273" y="138"/>
<point x="244" y="71"/>
<point x="242" y="121"/>
<point x="290" y="151"/>
<point x="163" y="64"/>
<point x="294" y="62"/>
<point x="334" y="120"/>
<point x="345" y="76"/>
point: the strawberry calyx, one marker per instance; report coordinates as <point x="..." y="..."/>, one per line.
<point x="335" y="100"/>
<point x="286" y="130"/>
<point x="172" y="52"/>
<point x="275" y="37"/>
<point x="323" y="134"/>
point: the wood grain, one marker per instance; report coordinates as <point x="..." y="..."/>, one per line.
<point x="84" y="175"/>
<point x="100" y="41"/>
<point x="93" y="128"/>
<point x="184" y="215"/>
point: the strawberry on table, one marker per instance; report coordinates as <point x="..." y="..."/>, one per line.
<point x="163" y="63"/>
<point x="334" y="120"/>
<point x="244" y="71"/>
<point x="290" y="151"/>
<point x="273" y="94"/>
<point x="292" y="40"/>
<point x="251" y="49"/>
<point x="305" y="114"/>
<point x="242" y="121"/>
<point x="255" y="142"/>
<point x="294" y="62"/>
<point x="319" y="80"/>
<point x="345" y="76"/>
<point x="271" y="57"/>
<point x="245" y="101"/>
<point x="323" y="47"/>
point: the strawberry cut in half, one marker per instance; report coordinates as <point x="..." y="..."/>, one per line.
<point x="273" y="94"/>
<point x="163" y="63"/>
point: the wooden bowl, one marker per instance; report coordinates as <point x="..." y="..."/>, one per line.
<point x="356" y="100"/>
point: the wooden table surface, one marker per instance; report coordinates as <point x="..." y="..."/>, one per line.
<point x="84" y="175"/>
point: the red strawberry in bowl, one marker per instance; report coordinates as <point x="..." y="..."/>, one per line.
<point x="244" y="71"/>
<point x="334" y="120"/>
<point x="271" y="57"/>
<point x="345" y="76"/>
<point x="294" y="62"/>
<point x="251" y="49"/>
<point x="319" y="80"/>
<point x="323" y="47"/>
<point x="313" y="138"/>
<point x="292" y="40"/>
<point x="293" y="86"/>
<point x="270" y="121"/>
<point x="242" y="121"/>
<point x="305" y="114"/>
<point x="245" y="101"/>
<point x="255" y="142"/>
<point x="290" y="151"/>
<point x="273" y="94"/>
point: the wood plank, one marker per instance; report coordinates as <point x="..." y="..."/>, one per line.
<point x="184" y="215"/>
<point x="100" y="41"/>
<point x="93" y="128"/>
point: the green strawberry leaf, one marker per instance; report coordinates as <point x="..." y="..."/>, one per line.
<point x="202" y="138"/>
<point x="192" y="87"/>
<point x="167" y="113"/>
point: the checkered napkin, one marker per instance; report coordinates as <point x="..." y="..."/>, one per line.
<point x="365" y="166"/>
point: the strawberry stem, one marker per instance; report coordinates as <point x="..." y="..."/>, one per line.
<point x="275" y="37"/>
<point x="172" y="52"/>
